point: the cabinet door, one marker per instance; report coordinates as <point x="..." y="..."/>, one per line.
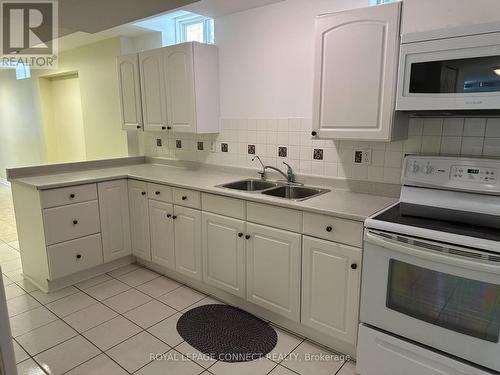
<point x="153" y="90"/>
<point x="139" y="219"/>
<point x="356" y="66"/>
<point x="115" y="222"/>
<point x="130" y="92"/>
<point x="273" y="270"/>
<point x="179" y="80"/>
<point x="162" y="233"/>
<point x="224" y="253"/>
<point x="187" y="234"/>
<point x="330" y="287"/>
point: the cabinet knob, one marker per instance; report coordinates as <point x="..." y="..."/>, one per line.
<point x="157" y="192"/>
<point x="247" y="236"/>
<point x="240" y="234"/>
<point x="184" y="198"/>
<point x="169" y="128"/>
<point x="143" y="193"/>
<point x="78" y="256"/>
<point x="71" y="196"/>
<point x="329" y="228"/>
<point x="169" y="216"/>
<point x="354" y="266"/>
<point x="163" y="127"/>
<point x="75" y="222"/>
<point x="314" y="133"/>
<point x="174" y="217"/>
<point x="139" y="126"/>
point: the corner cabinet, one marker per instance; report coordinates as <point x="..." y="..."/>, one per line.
<point x="130" y="92"/>
<point x="187" y="233"/>
<point x="139" y="219"/>
<point x="356" y="65"/>
<point x="176" y="88"/>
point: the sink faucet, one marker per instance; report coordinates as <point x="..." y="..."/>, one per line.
<point x="289" y="175"/>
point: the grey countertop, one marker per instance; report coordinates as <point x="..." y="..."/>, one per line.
<point x="338" y="202"/>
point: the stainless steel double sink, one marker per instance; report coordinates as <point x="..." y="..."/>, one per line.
<point x="275" y="189"/>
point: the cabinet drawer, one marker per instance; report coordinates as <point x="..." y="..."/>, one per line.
<point x="70" y="222"/>
<point x="160" y="192"/>
<point x="68" y="195"/>
<point x="223" y="205"/>
<point x="187" y="198"/>
<point x="278" y="217"/>
<point x="333" y="229"/>
<point x="73" y="256"/>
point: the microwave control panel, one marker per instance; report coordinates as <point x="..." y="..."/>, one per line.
<point x="474" y="174"/>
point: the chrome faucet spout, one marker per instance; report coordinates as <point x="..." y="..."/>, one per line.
<point x="263" y="173"/>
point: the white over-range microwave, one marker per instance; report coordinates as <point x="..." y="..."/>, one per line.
<point x="450" y="70"/>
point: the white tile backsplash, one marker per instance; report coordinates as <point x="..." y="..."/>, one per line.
<point x="447" y="136"/>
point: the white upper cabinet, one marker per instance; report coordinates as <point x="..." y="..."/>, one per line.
<point x="130" y="92"/>
<point x="153" y="90"/>
<point x="180" y="88"/>
<point x="356" y="64"/>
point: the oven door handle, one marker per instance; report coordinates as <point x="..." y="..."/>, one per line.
<point x="433" y="256"/>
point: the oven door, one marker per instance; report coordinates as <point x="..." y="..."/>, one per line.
<point x="450" y="74"/>
<point x="443" y="296"/>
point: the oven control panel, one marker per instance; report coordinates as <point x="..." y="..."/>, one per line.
<point x="472" y="174"/>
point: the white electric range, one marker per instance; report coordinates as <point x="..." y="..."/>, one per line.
<point x="430" y="301"/>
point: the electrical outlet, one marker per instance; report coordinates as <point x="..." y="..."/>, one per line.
<point x="158" y="142"/>
<point x="363" y="156"/>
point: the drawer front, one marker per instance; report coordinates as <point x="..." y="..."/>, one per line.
<point x="333" y="229"/>
<point x="278" y="217"/>
<point x="160" y="192"/>
<point x="68" y="195"/>
<point x="187" y="198"/>
<point x="223" y="205"/>
<point x="70" y="222"/>
<point x="73" y="256"/>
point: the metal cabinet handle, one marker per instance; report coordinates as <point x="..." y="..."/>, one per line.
<point x="163" y="127"/>
<point x="139" y="126"/>
<point x="329" y="228"/>
<point x="75" y="222"/>
<point x="184" y="198"/>
<point x="72" y="196"/>
<point x="314" y="133"/>
<point x="78" y="256"/>
<point x="169" y="216"/>
<point x="157" y="192"/>
<point x="174" y="217"/>
<point x="143" y="193"/>
<point x="169" y="128"/>
<point x="240" y="234"/>
<point x="354" y="266"/>
<point x="247" y="236"/>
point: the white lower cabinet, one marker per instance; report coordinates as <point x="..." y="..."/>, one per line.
<point x="224" y="243"/>
<point x="331" y="276"/>
<point x="115" y="221"/>
<point x="139" y="219"/>
<point x="187" y="233"/>
<point x="161" y="227"/>
<point x="273" y="270"/>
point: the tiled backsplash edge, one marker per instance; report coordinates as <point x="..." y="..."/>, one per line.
<point x="289" y="139"/>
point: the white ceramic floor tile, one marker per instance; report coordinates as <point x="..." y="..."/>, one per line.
<point x="159" y="286"/>
<point x="13" y="291"/>
<point x="127" y="301"/>
<point x="54" y="296"/>
<point x="19" y="352"/>
<point x="149" y="313"/>
<point x="204" y="301"/>
<point x="29" y="367"/>
<point x="69" y="305"/>
<point x="21" y="304"/>
<point x="100" y="365"/>
<point x="107" y="289"/>
<point x="311" y="359"/>
<point x="182" y="297"/>
<point x="136" y="352"/>
<point x="348" y="369"/>
<point x="90" y="317"/>
<point x="6" y="280"/>
<point x="27" y="286"/>
<point x="112" y="332"/>
<point x="195" y="355"/>
<point x="15" y="276"/>
<point x="12" y="265"/>
<point x="258" y="367"/>
<point x="172" y="364"/>
<point x="138" y="277"/>
<point x="166" y="330"/>
<point x="30" y="320"/>
<point x="93" y="281"/>
<point x="286" y="343"/>
<point x="123" y="270"/>
<point x="45" y="337"/>
<point x="280" y="370"/>
<point x="67" y="355"/>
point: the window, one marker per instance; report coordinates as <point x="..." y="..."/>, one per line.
<point x="194" y="28"/>
<point x="22" y="70"/>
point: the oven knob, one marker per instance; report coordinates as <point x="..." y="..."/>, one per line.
<point x="414" y="168"/>
<point x="428" y="169"/>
